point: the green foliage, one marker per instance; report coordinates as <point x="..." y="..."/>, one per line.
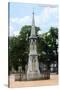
<point x="47" y="46"/>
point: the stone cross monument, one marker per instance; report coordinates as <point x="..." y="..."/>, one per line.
<point x="33" y="72"/>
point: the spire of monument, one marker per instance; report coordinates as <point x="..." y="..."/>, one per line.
<point x="33" y="25"/>
<point x="33" y="21"/>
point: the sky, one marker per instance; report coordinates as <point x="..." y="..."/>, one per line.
<point x="20" y="14"/>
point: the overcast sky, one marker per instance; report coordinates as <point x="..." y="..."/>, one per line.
<point x="20" y="14"/>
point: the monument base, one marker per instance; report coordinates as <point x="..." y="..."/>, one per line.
<point x="33" y="75"/>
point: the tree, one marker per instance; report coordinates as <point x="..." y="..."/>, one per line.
<point x="19" y="48"/>
<point x="52" y="42"/>
<point x="47" y="46"/>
